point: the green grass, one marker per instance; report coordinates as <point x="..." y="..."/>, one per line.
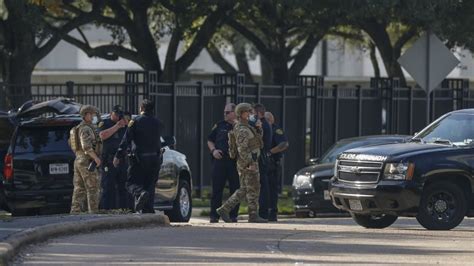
<point x="285" y="203"/>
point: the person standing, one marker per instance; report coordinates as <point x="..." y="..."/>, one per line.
<point x="248" y="143"/>
<point x="224" y="168"/>
<point x="259" y="110"/>
<point x="111" y="131"/>
<point x="142" y="138"/>
<point x="279" y="145"/>
<point x="85" y="143"/>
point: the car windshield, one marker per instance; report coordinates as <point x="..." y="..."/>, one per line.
<point x="37" y="140"/>
<point x="338" y="148"/>
<point x="456" y="129"/>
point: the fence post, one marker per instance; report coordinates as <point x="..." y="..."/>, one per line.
<point x="336" y="112"/>
<point x="70" y="89"/>
<point x="259" y="93"/>
<point x="175" y="107"/>
<point x="3" y="96"/>
<point x="359" y="110"/>
<point x="201" y="136"/>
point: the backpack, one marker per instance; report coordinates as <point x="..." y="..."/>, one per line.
<point x="74" y="140"/>
<point x="233" y="152"/>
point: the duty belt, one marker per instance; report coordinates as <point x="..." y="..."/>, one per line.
<point x="147" y="154"/>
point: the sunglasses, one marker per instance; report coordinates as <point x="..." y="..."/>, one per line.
<point x="228" y="112"/>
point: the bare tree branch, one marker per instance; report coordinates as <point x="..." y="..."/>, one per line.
<point x="219" y="59"/>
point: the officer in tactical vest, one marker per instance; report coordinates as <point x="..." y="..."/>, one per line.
<point x="85" y="143"/>
<point x="249" y="142"/>
<point x="224" y="168"/>
<point x="279" y="145"/>
<point x="111" y="130"/>
<point x="142" y="138"/>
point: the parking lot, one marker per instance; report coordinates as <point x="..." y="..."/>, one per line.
<point x="290" y="241"/>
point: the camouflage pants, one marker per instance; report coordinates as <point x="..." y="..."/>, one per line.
<point x="249" y="190"/>
<point x="86" y="188"/>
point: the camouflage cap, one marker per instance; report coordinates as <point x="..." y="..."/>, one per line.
<point x="242" y="107"/>
<point x="87" y="109"/>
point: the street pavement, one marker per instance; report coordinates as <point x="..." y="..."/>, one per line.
<point x="16" y="233"/>
<point x="290" y="241"/>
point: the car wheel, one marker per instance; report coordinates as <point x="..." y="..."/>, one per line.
<point x="443" y="206"/>
<point x="374" y="221"/>
<point x="182" y="204"/>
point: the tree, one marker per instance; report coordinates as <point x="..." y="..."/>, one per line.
<point x="29" y="30"/>
<point x="392" y="24"/>
<point x="284" y="32"/>
<point x="143" y="22"/>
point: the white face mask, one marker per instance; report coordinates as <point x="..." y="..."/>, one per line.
<point x="253" y="118"/>
<point x="95" y="119"/>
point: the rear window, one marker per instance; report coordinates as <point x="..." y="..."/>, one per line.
<point x="37" y="140"/>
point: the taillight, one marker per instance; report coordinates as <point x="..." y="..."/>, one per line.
<point x="8" y="167"/>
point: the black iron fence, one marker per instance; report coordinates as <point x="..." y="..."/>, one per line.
<point x="313" y="116"/>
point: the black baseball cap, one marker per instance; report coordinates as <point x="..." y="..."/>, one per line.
<point x="117" y="109"/>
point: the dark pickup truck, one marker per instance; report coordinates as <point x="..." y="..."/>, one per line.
<point x="430" y="177"/>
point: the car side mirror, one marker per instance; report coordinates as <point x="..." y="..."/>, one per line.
<point x="169" y="141"/>
<point x="313" y="161"/>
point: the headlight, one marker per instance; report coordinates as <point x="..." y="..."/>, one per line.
<point x="399" y="171"/>
<point x="302" y="182"/>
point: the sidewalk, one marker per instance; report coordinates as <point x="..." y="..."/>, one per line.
<point x="16" y="232"/>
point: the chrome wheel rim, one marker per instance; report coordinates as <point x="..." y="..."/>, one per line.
<point x="184" y="203"/>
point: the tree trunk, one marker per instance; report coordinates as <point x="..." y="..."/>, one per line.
<point x="266" y="68"/>
<point x="242" y="61"/>
<point x="373" y="59"/>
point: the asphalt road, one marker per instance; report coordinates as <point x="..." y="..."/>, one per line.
<point x="290" y="241"/>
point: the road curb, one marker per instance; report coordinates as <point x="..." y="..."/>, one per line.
<point x="10" y="246"/>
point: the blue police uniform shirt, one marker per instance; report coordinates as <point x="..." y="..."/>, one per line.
<point x="267" y="135"/>
<point x="278" y="137"/>
<point x="142" y="135"/>
<point x="220" y="137"/>
<point x="111" y="144"/>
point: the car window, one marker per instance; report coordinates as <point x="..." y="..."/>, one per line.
<point x="37" y="140"/>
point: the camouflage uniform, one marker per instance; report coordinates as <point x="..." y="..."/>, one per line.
<point x="249" y="142"/>
<point x="86" y="183"/>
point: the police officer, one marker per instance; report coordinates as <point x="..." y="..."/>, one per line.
<point x="248" y="141"/>
<point x="142" y="138"/>
<point x="279" y="145"/>
<point x="85" y="143"/>
<point x="223" y="168"/>
<point x="259" y="112"/>
<point x="111" y="130"/>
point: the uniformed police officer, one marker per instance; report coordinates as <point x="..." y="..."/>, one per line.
<point x="259" y="111"/>
<point x="111" y="131"/>
<point x="85" y="143"/>
<point x="279" y="145"/>
<point x="142" y="138"/>
<point x="224" y="168"/>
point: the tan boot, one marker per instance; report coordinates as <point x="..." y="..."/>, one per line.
<point x="255" y="218"/>
<point x="224" y="215"/>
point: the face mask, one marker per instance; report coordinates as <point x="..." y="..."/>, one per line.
<point x="95" y="119"/>
<point x="253" y="118"/>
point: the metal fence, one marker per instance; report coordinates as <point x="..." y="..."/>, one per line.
<point x="313" y="116"/>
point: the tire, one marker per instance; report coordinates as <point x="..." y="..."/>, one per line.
<point x="443" y="206"/>
<point x="374" y="221"/>
<point x="182" y="204"/>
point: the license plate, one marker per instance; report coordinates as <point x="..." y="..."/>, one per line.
<point x="58" y="168"/>
<point x="355" y="205"/>
<point x="326" y="195"/>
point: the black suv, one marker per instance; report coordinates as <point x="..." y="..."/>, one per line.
<point x="39" y="165"/>
<point x="430" y="177"/>
<point x="310" y="184"/>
